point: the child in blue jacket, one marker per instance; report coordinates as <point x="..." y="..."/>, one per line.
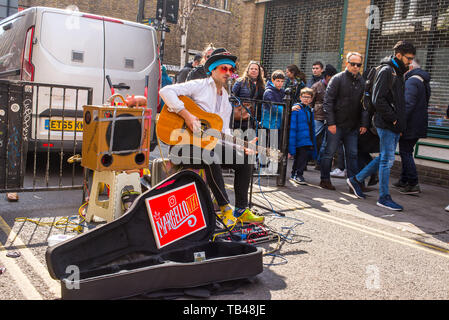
<point x="302" y="140"/>
<point x="272" y="113"/>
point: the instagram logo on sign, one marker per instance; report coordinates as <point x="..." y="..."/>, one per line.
<point x="172" y="201"/>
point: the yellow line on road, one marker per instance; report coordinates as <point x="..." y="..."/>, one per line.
<point x="366" y="229"/>
<point x="379" y="233"/>
<point x="21" y="280"/>
<point x="30" y="258"/>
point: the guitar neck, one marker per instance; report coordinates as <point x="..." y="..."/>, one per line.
<point x="238" y="142"/>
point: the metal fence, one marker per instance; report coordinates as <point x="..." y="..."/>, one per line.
<point x="269" y="122"/>
<point x="302" y="32"/>
<point x="40" y="136"/>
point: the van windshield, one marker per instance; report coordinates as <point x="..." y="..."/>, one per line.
<point x="12" y="37"/>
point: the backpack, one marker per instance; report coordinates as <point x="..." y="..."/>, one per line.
<point x="367" y="98"/>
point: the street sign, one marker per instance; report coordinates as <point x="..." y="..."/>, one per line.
<point x="155" y="23"/>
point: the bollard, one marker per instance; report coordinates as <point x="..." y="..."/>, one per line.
<point x="15" y="130"/>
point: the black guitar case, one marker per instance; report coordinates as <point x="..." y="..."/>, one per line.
<point x="123" y="258"/>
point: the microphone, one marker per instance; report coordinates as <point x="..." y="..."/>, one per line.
<point x="235" y="102"/>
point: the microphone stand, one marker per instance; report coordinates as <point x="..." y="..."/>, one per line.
<point x="234" y="99"/>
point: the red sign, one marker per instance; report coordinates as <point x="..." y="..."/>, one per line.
<point x="175" y="214"/>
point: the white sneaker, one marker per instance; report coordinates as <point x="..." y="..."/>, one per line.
<point x="447" y="208"/>
<point x="337" y="173"/>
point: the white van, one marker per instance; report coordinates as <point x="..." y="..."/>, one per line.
<point x="61" y="47"/>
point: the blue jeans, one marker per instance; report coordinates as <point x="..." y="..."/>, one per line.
<point x="321" y="128"/>
<point x="383" y="163"/>
<point x="350" y="139"/>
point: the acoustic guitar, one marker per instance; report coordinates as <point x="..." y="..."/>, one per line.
<point x="171" y="129"/>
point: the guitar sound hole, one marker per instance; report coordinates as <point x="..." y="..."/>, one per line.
<point x="205" y="125"/>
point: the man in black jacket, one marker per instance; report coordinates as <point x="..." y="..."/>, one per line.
<point x="346" y="118"/>
<point x="317" y="73"/>
<point x="182" y="76"/>
<point x="390" y="120"/>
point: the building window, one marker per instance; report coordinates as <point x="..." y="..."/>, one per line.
<point x="217" y="4"/>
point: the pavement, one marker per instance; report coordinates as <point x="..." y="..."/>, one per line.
<point x="423" y="214"/>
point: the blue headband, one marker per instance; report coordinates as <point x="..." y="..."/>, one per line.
<point x="220" y="62"/>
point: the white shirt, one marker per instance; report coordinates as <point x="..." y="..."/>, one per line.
<point x="204" y="93"/>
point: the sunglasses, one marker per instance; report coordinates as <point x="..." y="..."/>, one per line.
<point x="409" y="58"/>
<point x="355" y="64"/>
<point x="225" y="69"/>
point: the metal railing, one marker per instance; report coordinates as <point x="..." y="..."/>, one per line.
<point x="270" y="122"/>
<point x="42" y="136"/>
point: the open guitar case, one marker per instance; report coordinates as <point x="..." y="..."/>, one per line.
<point x="122" y="259"/>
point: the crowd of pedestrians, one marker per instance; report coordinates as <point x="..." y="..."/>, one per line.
<point x="330" y="126"/>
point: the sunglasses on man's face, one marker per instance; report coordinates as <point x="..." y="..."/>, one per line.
<point x="353" y="64"/>
<point x="225" y="69"/>
<point x="409" y="58"/>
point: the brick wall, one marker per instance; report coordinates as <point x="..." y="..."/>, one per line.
<point x="222" y="30"/>
<point x="252" y="23"/>
<point x="126" y="10"/>
<point x="426" y="174"/>
<point x="356" y="30"/>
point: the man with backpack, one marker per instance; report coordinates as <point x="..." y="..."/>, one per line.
<point x="182" y="76"/>
<point x="390" y="120"/>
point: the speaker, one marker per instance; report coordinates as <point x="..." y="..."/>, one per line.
<point x="116" y="138"/>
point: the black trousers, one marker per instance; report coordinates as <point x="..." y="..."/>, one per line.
<point x="222" y="157"/>
<point x="301" y="158"/>
<point x="409" y="174"/>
